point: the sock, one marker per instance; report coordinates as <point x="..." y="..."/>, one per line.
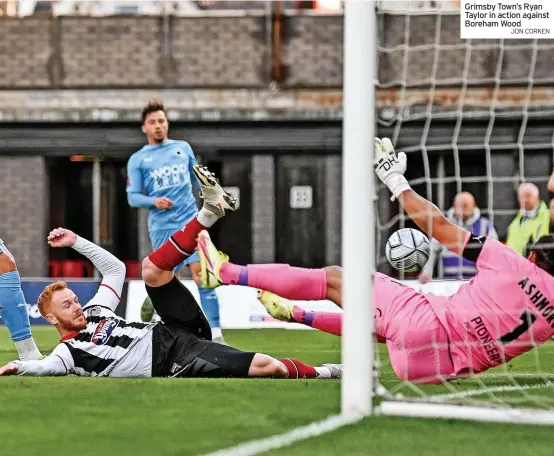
<point x="181" y="244"/>
<point x="14" y="313"/>
<point x="27" y="349"/>
<point x="216" y="332"/>
<point x="206" y="217"/>
<point x="297" y="369"/>
<point x="282" y="279"/>
<point x="323" y="372"/>
<point x="328" y="322"/>
<point x="210" y="306"/>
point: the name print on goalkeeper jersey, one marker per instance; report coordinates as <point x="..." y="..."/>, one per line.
<point x="165" y="170"/>
<point x="502" y="313"/>
<point x="107" y="345"/>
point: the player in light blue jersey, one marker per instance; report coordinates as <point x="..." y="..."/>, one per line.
<point x="160" y="177"/>
<point x="13" y="308"/>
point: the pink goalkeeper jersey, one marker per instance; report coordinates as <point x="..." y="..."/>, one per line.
<point x="505" y="310"/>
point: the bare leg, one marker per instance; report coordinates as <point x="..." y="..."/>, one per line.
<point x="154" y="276"/>
<point x="334" y="284"/>
<point x="266" y="366"/>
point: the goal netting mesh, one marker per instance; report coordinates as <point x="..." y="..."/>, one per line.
<point x="476" y="116"/>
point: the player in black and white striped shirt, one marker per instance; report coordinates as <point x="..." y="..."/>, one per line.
<point x="96" y="342"/>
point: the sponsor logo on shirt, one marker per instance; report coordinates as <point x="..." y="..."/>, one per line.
<point x="103" y="330"/>
<point x="169" y="176"/>
<point x="488" y="344"/>
<point x="95" y="311"/>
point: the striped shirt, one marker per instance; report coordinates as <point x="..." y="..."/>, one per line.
<point x="108" y="345"/>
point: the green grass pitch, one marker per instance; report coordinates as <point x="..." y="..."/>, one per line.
<point x="134" y="417"/>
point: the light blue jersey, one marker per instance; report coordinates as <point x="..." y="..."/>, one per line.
<point x="163" y="170"/>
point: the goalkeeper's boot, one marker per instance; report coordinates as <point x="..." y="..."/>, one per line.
<point x="278" y="307"/>
<point x="215" y="198"/>
<point x="211" y="261"/>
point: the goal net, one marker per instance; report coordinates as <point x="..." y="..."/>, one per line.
<point x="475" y="116"/>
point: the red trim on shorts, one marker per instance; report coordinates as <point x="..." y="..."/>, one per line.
<point x="114" y="292"/>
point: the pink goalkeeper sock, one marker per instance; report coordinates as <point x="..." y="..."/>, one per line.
<point x="282" y="279"/>
<point x="328" y="322"/>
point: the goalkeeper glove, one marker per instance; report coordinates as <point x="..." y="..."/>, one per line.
<point x="390" y="167"/>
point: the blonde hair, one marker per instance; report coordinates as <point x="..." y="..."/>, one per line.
<point x="45" y="298"/>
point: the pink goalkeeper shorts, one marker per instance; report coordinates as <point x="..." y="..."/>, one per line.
<point x="417" y="342"/>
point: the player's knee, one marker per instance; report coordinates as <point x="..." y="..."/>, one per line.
<point x="7" y="263"/>
<point x="150" y="272"/>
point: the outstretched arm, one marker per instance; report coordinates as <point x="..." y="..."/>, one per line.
<point x="60" y="362"/>
<point x="390" y="167"/>
<point x="112" y="269"/>
<point x="50" y="366"/>
<point x="432" y="221"/>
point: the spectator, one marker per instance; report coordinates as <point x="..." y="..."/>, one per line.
<point x="532" y="222"/>
<point x="465" y="213"/>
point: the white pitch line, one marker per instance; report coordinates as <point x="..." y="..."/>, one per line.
<point x="288" y="438"/>
<point x="492" y="389"/>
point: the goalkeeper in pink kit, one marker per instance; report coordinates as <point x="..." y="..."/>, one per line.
<point x="506" y="310"/>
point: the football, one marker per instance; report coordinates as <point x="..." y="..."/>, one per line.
<point x="407" y="250"/>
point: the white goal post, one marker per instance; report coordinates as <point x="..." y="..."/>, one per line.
<point x="358" y="220"/>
